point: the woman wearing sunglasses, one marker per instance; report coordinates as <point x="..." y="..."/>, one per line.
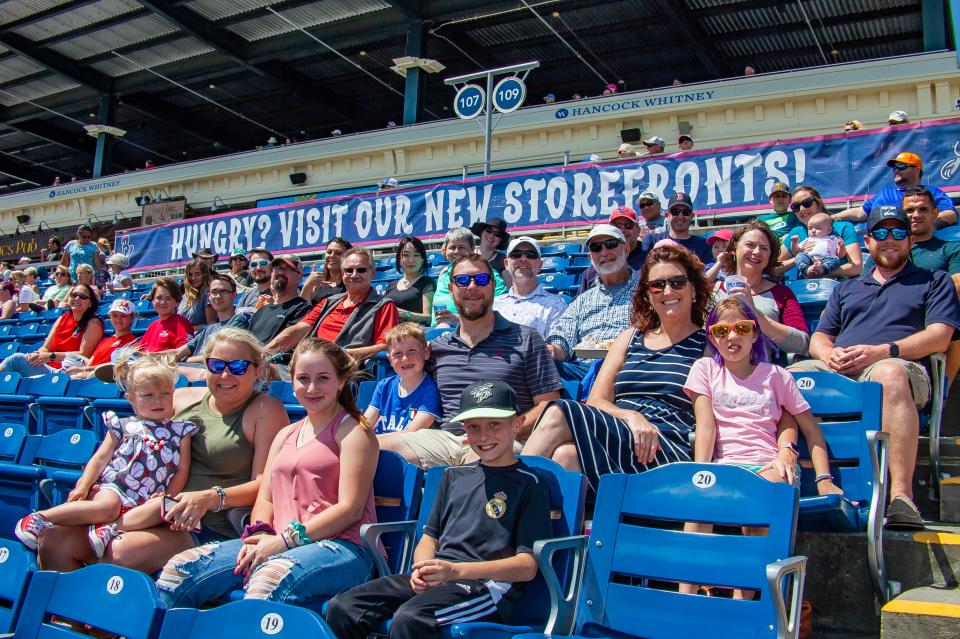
<point x="170" y="330"/>
<point x="78" y="330"/>
<point x="228" y="456"/>
<point x="750" y="255"/>
<point x="637" y="416"/>
<point x="805" y="203"/>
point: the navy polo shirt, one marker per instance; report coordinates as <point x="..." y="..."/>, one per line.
<point x="695" y="244"/>
<point x="512" y="353"/>
<point x="863" y="311"/>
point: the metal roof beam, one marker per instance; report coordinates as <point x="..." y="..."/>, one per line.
<point x="688" y="31"/>
<point x="24" y="173"/>
<point x="42" y="130"/>
<point x="93" y="28"/>
<point x="57" y="62"/>
<point x="47" y="13"/>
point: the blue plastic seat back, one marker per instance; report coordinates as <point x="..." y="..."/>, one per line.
<point x="436" y="257"/>
<point x="12" y="436"/>
<point x="7" y="349"/>
<point x="113" y="599"/>
<point x="813" y="296"/>
<point x="556" y="282"/>
<point x="283" y="391"/>
<point x="385" y="263"/>
<point x="26" y="330"/>
<point x="55" y="413"/>
<point x="561" y="248"/>
<point x="847" y="410"/>
<point x="638" y="552"/>
<point x="365" y="394"/>
<point x="6" y="330"/>
<point x="397" y="489"/>
<point x="68" y="449"/>
<point x="554" y="264"/>
<point x="578" y="263"/>
<point x="50" y="385"/>
<point x="433" y="333"/>
<point x="245" y="618"/>
<point x="95" y="410"/>
<point x="9" y="382"/>
<point x="17" y="565"/>
<point x="435" y="270"/>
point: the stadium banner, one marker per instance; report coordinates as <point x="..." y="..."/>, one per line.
<point x="846" y="166"/>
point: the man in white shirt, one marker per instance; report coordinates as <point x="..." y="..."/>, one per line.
<point x="527" y="302"/>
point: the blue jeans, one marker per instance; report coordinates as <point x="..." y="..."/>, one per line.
<point x="805" y="261"/>
<point x="17" y="363"/>
<point x="205" y="573"/>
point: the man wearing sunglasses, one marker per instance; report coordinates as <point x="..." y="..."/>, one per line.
<point x="357" y="320"/>
<point x="879" y="327"/>
<point x="651" y="212"/>
<point x="601" y="313"/>
<point x="260" y="271"/>
<point x="907" y="171"/>
<point x="680" y="216"/>
<point x="527" y="302"/>
<point x="285" y="309"/>
<point x="485" y="346"/>
<point x="625" y="219"/>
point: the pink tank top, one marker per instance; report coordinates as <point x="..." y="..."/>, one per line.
<point x="306" y="481"/>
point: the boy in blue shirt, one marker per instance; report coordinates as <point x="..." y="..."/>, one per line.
<point x="408" y="400"/>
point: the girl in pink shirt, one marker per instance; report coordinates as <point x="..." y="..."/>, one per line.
<point x="316" y="493"/>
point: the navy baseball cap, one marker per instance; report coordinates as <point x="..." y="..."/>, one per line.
<point x="882" y="213"/>
<point x="681" y="199"/>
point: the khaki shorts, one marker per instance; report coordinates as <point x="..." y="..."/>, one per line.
<point x="435" y="447"/>
<point x="919" y="379"/>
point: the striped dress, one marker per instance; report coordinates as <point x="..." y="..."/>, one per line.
<point x="650" y="382"/>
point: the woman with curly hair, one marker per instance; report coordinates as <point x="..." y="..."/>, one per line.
<point x="637" y="416"/>
<point x="195" y="305"/>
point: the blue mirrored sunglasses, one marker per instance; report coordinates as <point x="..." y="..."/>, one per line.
<point x="235" y="366"/>
<point x="882" y="234"/>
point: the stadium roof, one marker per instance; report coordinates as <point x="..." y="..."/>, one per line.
<point x="197" y="78"/>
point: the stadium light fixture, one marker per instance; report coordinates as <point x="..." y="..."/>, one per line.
<point x="407" y="62"/>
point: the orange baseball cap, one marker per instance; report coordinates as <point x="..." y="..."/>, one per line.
<point x="907" y="158"/>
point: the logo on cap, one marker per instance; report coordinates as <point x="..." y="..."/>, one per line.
<point x="482" y="392"/>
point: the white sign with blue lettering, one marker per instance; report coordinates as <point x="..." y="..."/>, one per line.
<point x="469" y="102"/>
<point x="509" y="94"/>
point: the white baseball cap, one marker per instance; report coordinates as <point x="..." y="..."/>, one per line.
<point x="606" y="230"/>
<point x="523" y="239"/>
<point x="124" y="306"/>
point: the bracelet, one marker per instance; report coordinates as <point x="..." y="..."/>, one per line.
<point x="792" y="447"/>
<point x="259" y="527"/>
<point x="223" y="499"/>
<point x="297" y="533"/>
<point x="286" y="541"/>
<point x="823" y="477"/>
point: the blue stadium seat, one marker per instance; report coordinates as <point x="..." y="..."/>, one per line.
<point x="557" y="282"/>
<point x="93" y="412"/>
<point x="567" y="497"/>
<point x="365" y="394"/>
<point x="116" y="600"/>
<point x="433" y="333"/>
<point x="56" y="413"/>
<point x="6" y="331"/>
<point x="245" y="618"/>
<point x="59" y="457"/>
<point x="554" y="264"/>
<point x="578" y="264"/>
<point x="436" y="257"/>
<point x="141" y="324"/>
<point x="17" y="565"/>
<point x="12" y="437"/>
<point x="638" y="551"/>
<point x="385" y="263"/>
<point x="53" y="314"/>
<point x="284" y="392"/>
<point x="850" y="414"/>
<point x="8" y="348"/>
<point x="813" y="296"/>
<point x="435" y="270"/>
<point x="144" y="308"/>
<point x="561" y="248"/>
<point x="16" y="406"/>
<point x="28" y="330"/>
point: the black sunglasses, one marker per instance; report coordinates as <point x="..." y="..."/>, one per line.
<point x="596" y="247"/>
<point x="681" y="211"/>
<point x="644" y="205"/>
<point x="677" y="283"/>
<point x="900" y="166"/>
<point x="530" y="255"/>
<point x="79" y="296"/>
<point x="802" y="204"/>
<point x="357" y="269"/>
<point x="463" y="281"/>
<point x="236" y="366"/>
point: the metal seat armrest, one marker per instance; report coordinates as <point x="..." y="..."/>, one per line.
<point x="371" y="534"/>
<point x="563" y="597"/>
<point x="879" y="443"/>
<point x="788" y="621"/>
<point x="938" y="372"/>
<point x="238" y="518"/>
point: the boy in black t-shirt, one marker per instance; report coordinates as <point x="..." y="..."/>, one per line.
<point x="477" y="547"/>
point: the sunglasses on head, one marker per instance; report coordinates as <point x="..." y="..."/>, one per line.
<point x="356" y="269"/>
<point x="677" y="283"/>
<point x="802" y="204"/>
<point x="900" y="166"/>
<point x="882" y="234"/>
<point x="259" y="263"/>
<point x="681" y="211"/>
<point x="530" y="255"/>
<point x="740" y="327"/>
<point x="235" y="366"/>
<point x="596" y="247"/>
<point x="463" y="281"/>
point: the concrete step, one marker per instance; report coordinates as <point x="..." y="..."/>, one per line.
<point x="931" y="612"/>
<point x="838" y="578"/>
<point x="950" y="499"/>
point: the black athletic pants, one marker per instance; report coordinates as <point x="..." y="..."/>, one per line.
<point x="357" y="612"/>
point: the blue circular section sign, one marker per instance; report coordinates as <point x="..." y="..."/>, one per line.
<point x="469" y="102"/>
<point x="509" y="94"/>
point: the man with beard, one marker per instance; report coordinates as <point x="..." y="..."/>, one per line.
<point x="527" y="302"/>
<point x="625" y="219"/>
<point x="679" y="216"/>
<point x="485" y="346"/>
<point x="601" y="313"/>
<point x="877" y="327"/>
<point x="907" y="172"/>
<point x="286" y="308"/>
<point x="260" y="259"/>
<point x="357" y="320"/>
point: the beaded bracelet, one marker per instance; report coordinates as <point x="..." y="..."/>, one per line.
<point x="223" y="499"/>
<point x="259" y="527"/>
<point x="823" y="477"/>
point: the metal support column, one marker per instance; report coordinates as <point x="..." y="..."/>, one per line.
<point x="932" y="14"/>
<point x="103" y="156"/>
<point x="414" y="84"/>
<point x="954" y="10"/>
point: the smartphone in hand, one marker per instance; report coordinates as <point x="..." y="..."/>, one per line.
<point x="167" y="504"/>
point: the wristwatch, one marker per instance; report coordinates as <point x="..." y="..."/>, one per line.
<point x="894" y="349"/>
<point x="53" y="357"/>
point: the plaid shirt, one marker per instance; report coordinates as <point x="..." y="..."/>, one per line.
<point x="596" y="314"/>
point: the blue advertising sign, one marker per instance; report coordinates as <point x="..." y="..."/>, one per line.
<point x="469" y="102"/>
<point x="509" y="94"/>
<point x="843" y="166"/>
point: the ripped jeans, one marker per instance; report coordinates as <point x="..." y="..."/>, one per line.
<point x="205" y="573"/>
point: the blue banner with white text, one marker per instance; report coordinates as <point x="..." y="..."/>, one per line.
<point x="846" y="166"/>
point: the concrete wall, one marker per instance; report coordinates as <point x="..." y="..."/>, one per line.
<point x="750" y="109"/>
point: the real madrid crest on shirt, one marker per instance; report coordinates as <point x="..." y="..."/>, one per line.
<point x="497" y="507"/>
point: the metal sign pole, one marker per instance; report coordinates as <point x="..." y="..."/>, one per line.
<point x="488" y="126"/>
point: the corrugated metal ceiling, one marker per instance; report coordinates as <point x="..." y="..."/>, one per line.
<point x="77" y="18"/>
<point x="309" y="15"/>
<point x="153" y="56"/>
<point x="117" y="36"/>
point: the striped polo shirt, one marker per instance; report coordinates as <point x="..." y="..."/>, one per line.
<point x="512" y="353"/>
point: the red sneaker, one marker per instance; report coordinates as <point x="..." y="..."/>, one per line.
<point x="29" y="529"/>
